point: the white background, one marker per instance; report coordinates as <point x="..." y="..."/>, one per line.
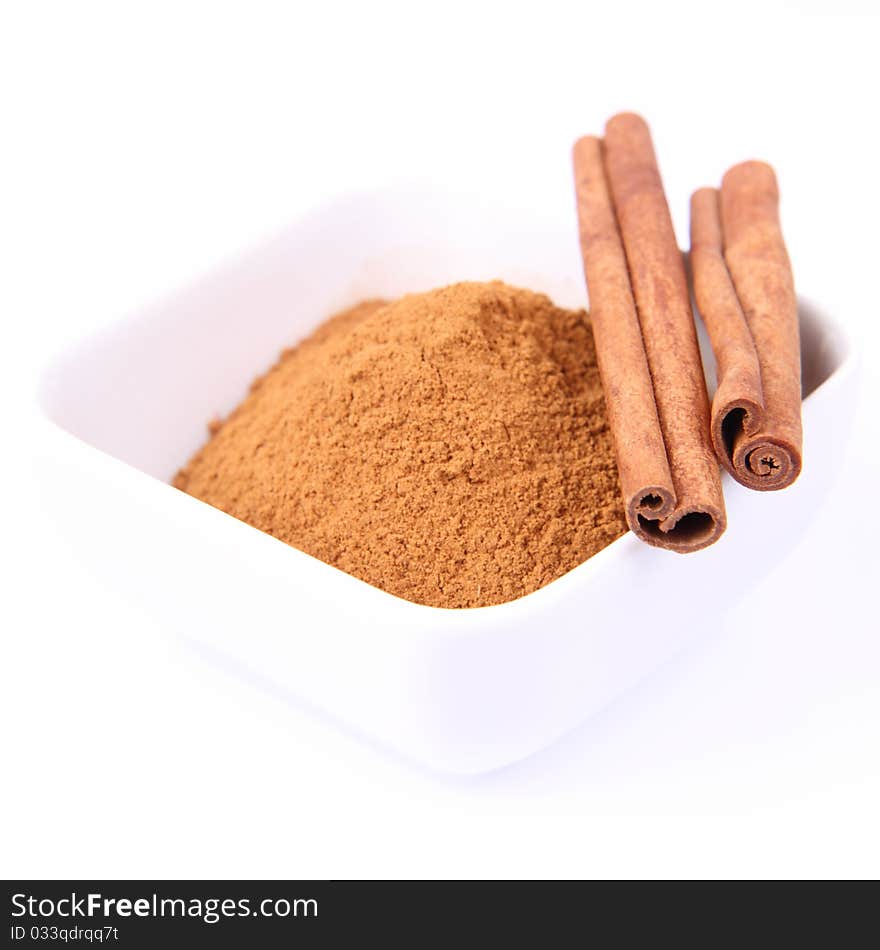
<point x="143" y="143"/>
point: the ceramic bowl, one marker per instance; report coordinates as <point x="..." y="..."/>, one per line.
<point x="463" y="691"/>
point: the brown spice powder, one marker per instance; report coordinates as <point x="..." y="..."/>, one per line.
<point x="449" y="447"/>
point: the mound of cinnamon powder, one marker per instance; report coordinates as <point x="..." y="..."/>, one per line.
<point x="449" y="447"/>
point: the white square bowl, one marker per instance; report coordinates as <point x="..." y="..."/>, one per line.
<point x="463" y="691"/>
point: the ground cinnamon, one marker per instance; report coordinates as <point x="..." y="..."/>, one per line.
<point x="449" y="447"/>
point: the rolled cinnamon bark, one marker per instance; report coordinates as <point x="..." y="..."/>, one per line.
<point x="646" y="342"/>
<point x="645" y="479"/>
<point x="768" y="455"/>
<point x="756" y="422"/>
<point x="738" y="404"/>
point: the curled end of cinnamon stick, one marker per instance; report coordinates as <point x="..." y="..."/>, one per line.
<point x="654" y="518"/>
<point x="759" y="460"/>
<point x="754" y="456"/>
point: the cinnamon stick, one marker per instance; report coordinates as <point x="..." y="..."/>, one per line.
<point x="745" y="293"/>
<point x="739" y="397"/>
<point x="645" y="479"/>
<point x="646" y="342"/>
